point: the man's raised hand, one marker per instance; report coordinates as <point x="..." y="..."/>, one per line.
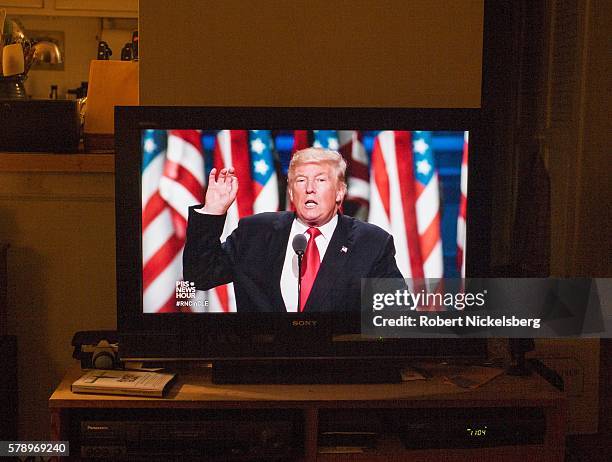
<point x="221" y="192"/>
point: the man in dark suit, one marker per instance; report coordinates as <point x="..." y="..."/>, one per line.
<point x="258" y="256"/>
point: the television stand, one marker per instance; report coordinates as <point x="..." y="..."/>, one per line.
<point x="306" y="371"/>
<point x="504" y="420"/>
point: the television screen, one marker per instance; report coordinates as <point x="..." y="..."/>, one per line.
<point x="410" y="183"/>
<point x="221" y="280"/>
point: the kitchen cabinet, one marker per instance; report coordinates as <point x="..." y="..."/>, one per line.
<point x="96" y="8"/>
<point x="22" y="3"/>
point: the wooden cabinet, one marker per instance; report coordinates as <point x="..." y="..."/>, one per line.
<point x="97" y="8"/>
<point x="58" y="214"/>
<point x="3" y="283"/>
<point x="49" y="163"/>
<point x="22" y="4"/>
<point x="318" y="408"/>
<point x="8" y="362"/>
<point x="8" y="388"/>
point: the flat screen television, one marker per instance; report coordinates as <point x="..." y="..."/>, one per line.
<point x="405" y="169"/>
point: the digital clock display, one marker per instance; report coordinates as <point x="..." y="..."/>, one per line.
<point x="477" y="431"/>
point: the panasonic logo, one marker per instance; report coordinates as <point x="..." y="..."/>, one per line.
<point x="303" y="323"/>
<point x="91" y="427"/>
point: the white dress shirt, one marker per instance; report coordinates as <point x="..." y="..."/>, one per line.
<point x="289" y="276"/>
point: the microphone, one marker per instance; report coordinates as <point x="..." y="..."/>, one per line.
<point x="299" y="246"/>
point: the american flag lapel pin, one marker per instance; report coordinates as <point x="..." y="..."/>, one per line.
<point x="343" y="249"/>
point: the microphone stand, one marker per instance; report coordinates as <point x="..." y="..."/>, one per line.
<point x="300" y="255"/>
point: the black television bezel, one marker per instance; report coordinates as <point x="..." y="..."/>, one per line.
<point x="176" y="336"/>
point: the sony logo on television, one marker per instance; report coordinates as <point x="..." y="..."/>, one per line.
<point x="303" y="323"/>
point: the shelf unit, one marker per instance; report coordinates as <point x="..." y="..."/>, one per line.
<point x="97" y="8"/>
<point x="27" y="162"/>
<point x="193" y="392"/>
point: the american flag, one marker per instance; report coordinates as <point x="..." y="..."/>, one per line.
<point x="357" y="173"/>
<point x="326" y="139"/>
<point x="263" y="171"/>
<point x="393" y="198"/>
<point x="462" y="207"/>
<point x="427" y="205"/>
<point x="172" y="180"/>
<point x="300" y="141"/>
<point x="232" y="150"/>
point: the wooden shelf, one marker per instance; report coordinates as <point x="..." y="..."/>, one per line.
<point x="196" y="390"/>
<point x="18" y="162"/>
<point x="193" y="393"/>
<point x="83" y="8"/>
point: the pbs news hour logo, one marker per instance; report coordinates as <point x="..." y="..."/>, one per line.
<point x="185" y="293"/>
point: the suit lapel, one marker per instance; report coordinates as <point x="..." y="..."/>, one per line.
<point x="277" y="251"/>
<point x="332" y="265"/>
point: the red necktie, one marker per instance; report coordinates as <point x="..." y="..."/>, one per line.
<point x="310" y="266"/>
